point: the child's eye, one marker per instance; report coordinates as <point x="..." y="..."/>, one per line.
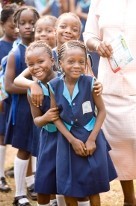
<point x="49" y="31"/>
<point x="38" y="30"/>
<point x="30" y="65"/>
<point x="75" y="30"/>
<point x="70" y="61"/>
<point x="62" y="26"/>
<point x="82" y="62"/>
<point x="21" y="22"/>
<point x="32" y="22"/>
<point x="40" y="61"/>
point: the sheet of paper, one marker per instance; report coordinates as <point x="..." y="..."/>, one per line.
<point x="121" y="54"/>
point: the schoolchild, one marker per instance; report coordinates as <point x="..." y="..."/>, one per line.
<point x="87" y="168"/>
<point x="40" y="64"/>
<point x="20" y="122"/>
<point x="45" y="30"/>
<point x="6" y="43"/>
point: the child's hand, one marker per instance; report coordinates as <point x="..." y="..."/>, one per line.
<point x="36" y="94"/>
<point x="97" y="88"/>
<point x="79" y="147"/>
<point x="90" y="147"/>
<point x="1" y="106"/>
<point x="52" y="115"/>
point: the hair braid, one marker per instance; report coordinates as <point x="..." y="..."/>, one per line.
<point x="21" y="9"/>
<point x="39" y="44"/>
<point x="71" y="44"/>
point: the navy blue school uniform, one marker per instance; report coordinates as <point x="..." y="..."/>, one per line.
<point x="19" y="131"/>
<point x="6" y="47"/>
<point x="80" y="176"/>
<point x="45" y="177"/>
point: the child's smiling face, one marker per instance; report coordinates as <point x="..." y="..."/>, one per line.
<point x="68" y="28"/>
<point x="45" y="30"/>
<point x="39" y="63"/>
<point x="73" y="63"/>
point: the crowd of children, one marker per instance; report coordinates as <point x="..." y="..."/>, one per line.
<point x="55" y="110"/>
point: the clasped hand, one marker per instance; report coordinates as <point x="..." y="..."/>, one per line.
<point x="83" y="149"/>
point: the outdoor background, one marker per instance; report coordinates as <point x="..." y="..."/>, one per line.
<point x="112" y="198"/>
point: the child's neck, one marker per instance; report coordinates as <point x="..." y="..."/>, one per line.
<point x="5" y="38"/>
<point x="51" y="76"/>
<point x="70" y="83"/>
<point x="27" y="41"/>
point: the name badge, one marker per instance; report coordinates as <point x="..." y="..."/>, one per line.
<point x="86" y="107"/>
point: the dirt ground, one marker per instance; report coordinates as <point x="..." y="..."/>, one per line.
<point x="112" y="198"/>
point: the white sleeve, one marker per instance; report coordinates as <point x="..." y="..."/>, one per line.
<point x="92" y="27"/>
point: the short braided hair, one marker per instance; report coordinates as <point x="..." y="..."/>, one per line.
<point x="71" y="44"/>
<point x="39" y="44"/>
<point x="17" y="14"/>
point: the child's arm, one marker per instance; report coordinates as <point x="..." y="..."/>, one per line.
<point x="36" y="91"/>
<point x="41" y="119"/>
<point x="1" y="106"/>
<point x="22" y="79"/>
<point x="101" y="113"/>
<point x="10" y="74"/>
<point x="78" y="146"/>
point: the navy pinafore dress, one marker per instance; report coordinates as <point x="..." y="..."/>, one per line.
<point x="45" y="177"/>
<point x="19" y="129"/>
<point x="6" y="47"/>
<point x="80" y="176"/>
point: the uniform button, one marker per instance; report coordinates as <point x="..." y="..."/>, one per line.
<point x="76" y="120"/>
<point x="73" y="104"/>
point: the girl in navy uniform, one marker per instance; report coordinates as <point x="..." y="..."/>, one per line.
<point x="6" y="43"/>
<point x="40" y="64"/>
<point x="83" y="166"/>
<point x="20" y="125"/>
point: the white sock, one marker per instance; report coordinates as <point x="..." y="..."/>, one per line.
<point x="52" y="201"/>
<point x="34" y="161"/>
<point x="60" y="200"/>
<point x="85" y="203"/>
<point x="43" y="205"/>
<point x="20" y="169"/>
<point x="2" y="159"/>
<point x="29" y="180"/>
